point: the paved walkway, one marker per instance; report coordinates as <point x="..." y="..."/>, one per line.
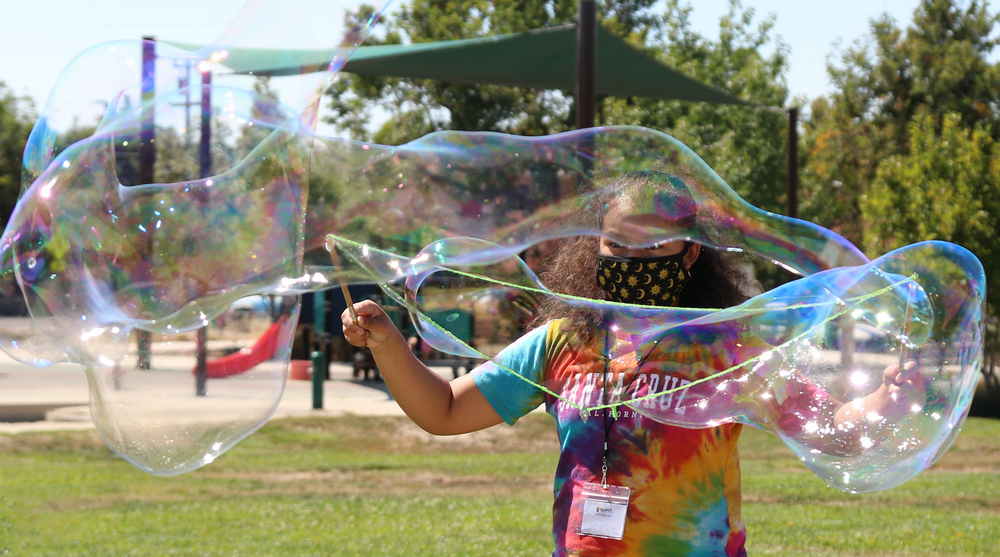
<point x="58" y="397"/>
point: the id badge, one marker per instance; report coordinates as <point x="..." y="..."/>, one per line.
<point x="603" y="510"/>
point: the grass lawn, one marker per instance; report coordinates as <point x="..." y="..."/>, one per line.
<point x="380" y="486"/>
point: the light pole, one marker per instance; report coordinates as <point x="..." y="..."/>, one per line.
<point x="147" y="165"/>
<point x="204" y="171"/>
<point x="586" y="64"/>
<point x="793" y="162"/>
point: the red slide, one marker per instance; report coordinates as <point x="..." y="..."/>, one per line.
<point x="238" y="362"/>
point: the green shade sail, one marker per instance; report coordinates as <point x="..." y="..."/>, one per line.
<point x="539" y="59"/>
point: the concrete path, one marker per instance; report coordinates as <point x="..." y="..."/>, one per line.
<point x="58" y="397"/>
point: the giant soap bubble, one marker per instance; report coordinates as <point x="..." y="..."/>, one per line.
<point x="784" y="360"/>
<point x="442" y="223"/>
<point x="115" y="265"/>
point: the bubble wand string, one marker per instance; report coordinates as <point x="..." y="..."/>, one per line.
<point x="399" y="299"/>
<point x="350" y="244"/>
<point x="332" y="248"/>
<point x="846" y="303"/>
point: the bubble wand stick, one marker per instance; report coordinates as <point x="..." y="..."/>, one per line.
<point x="332" y="248"/>
<point x="904" y="337"/>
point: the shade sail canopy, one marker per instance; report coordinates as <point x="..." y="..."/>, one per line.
<point x="539" y="59"/>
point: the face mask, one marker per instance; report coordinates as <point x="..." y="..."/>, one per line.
<point x="654" y="281"/>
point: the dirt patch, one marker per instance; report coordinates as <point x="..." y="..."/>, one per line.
<point x="66" y="442"/>
<point x="380" y="483"/>
<point x="964" y="503"/>
<point x="968" y="457"/>
<point x="525" y="437"/>
<point x="775" y="499"/>
<point x="533" y="434"/>
<point x="284" y="477"/>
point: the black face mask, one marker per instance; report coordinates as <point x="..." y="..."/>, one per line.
<point x="654" y="281"/>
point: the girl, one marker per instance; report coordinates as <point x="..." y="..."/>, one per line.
<point x="681" y="486"/>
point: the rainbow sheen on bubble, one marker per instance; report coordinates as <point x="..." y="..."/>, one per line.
<point x="446" y="224"/>
<point x="785" y="360"/>
<point x="108" y="258"/>
<point x="782" y="360"/>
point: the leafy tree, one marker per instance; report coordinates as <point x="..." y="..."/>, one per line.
<point x="16" y="118"/>
<point x="423" y="106"/>
<point x="906" y="148"/>
<point x="946" y="188"/>
<point x="938" y="191"/>
<point x="746" y="146"/>
<point x="751" y="159"/>
<point x="265" y="113"/>
<point x="939" y="65"/>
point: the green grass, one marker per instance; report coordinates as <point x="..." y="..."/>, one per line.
<point x="952" y="509"/>
<point x="363" y="486"/>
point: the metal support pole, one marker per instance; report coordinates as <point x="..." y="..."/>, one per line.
<point x="201" y="367"/>
<point x="319" y="313"/>
<point x="204" y="149"/>
<point x="204" y="170"/>
<point x="793" y="162"/>
<point x="147" y="133"/>
<point x="185" y="85"/>
<point x="321" y="340"/>
<point x="586" y="64"/>
<point x="318" y="376"/>
<point x="147" y="165"/>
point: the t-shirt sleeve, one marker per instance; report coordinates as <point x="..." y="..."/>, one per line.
<point x="509" y="380"/>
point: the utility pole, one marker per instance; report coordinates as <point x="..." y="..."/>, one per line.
<point x="147" y="165"/>
<point x="184" y="84"/>
<point x="586" y="81"/>
<point x="793" y="162"/>
<point x="586" y="64"/>
<point x="204" y="171"/>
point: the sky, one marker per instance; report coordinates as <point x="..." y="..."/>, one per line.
<point x="38" y="39"/>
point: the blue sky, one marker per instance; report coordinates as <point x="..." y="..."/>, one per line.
<point x="38" y="39"/>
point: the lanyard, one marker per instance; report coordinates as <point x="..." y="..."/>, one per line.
<point x="604" y="401"/>
<point x="604" y="397"/>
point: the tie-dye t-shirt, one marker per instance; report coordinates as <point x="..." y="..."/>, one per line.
<point x="685" y="498"/>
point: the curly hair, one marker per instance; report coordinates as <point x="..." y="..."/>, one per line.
<point x="718" y="276"/>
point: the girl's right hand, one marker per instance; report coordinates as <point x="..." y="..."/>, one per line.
<point x="374" y="327"/>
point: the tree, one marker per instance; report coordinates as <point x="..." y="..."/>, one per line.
<point x="937" y="191"/>
<point x="946" y="188"/>
<point x="906" y="148"/>
<point x="741" y="143"/>
<point x="746" y="146"/>
<point x="16" y="118"/>
<point x="265" y="113"/>
<point x="939" y="65"/>
<point x="423" y="106"/>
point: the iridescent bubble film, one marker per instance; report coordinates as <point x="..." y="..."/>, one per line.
<point x="789" y="360"/>
<point x="455" y="227"/>
<point x="799" y="360"/>
<point x="139" y="236"/>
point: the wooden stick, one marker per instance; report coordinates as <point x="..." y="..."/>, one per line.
<point x="904" y="338"/>
<point x="331" y="246"/>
